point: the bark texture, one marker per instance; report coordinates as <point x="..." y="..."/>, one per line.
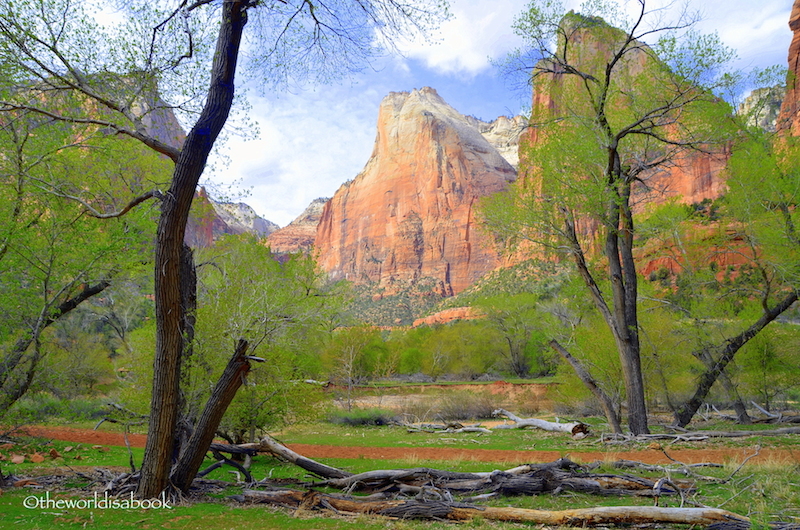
<point x="169" y="242"/>
<point x="193" y="453"/>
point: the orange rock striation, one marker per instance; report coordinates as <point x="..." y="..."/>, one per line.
<point x="448" y="315"/>
<point x="410" y="214"/>
<point x="789" y="119"/>
<point x="299" y="235"/>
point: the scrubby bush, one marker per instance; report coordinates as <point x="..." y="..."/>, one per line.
<point x="360" y="417"/>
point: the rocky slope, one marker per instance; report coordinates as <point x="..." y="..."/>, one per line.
<point x="240" y="218"/>
<point x="410" y="214"/>
<point x="299" y="235"/>
<point x="763" y="106"/>
<point x="209" y="220"/>
<point x="503" y="134"/>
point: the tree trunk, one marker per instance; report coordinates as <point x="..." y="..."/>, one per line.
<point x="421" y="509"/>
<point x="11" y="388"/>
<point x="191" y="162"/>
<point x="193" y="453"/>
<point x="728" y="349"/>
<point x="624" y="286"/>
<point x="588" y="380"/>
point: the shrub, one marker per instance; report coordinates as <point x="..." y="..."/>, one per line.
<point x="40" y="407"/>
<point x="360" y="417"/>
<point x="459" y="406"/>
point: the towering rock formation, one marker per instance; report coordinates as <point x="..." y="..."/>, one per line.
<point x="789" y="119"/>
<point x="299" y="235"/>
<point x="763" y="106"/>
<point x="209" y="220"/>
<point x="690" y="176"/>
<point x="410" y="214"/>
<point x="504" y="134"/>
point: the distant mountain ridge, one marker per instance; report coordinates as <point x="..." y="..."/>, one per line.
<point x="210" y="220"/>
<point x="410" y="214"/>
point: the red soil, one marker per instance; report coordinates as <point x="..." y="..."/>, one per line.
<point x="652" y="455"/>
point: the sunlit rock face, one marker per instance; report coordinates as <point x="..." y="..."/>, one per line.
<point x="689" y="176"/>
<point x="789" y="119"/>
<point x="763" y="106"/>
<point x="410" y="214"/>
<point x="299" y="235"/>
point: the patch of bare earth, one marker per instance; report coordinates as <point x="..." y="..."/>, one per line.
<point x="648" y="456"/>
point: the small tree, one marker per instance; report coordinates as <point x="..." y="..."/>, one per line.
<point x="55" y="251"/>
<point x="609" y="111"/>
<point x="191" y="49"/>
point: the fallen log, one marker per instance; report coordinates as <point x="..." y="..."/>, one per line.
<point x="275" y="448"/>
<point x="421" y="509"/>
<point x="531" y="479"/>
<point x="576" y="429"/>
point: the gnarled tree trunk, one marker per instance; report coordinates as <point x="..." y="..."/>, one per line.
<point x="169" y="242"/>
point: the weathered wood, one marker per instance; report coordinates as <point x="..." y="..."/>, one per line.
<point x="531" y="479"/>
<point x="193" y="453"/>
<point x="421" y="509"/>
<point x="272" y="446"/>
<point x="576" y="429"/>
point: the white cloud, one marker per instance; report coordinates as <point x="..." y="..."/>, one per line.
<point x="309" y="144"/>
<point x="314" y="141"/>
<point x="479" y="29"/>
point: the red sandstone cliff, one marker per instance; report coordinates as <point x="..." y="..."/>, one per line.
<point x="410" y="214"/>
<point x="299" y="235"/>
<point x="690" y="176"/>
<point x="789" y="119"/>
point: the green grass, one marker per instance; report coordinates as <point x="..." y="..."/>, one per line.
<point x="218" y="515"/>
<point x="766" y="492"/>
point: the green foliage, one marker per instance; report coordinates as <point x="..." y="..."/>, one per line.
<point x="768" y="367"/>
<point x="41" y="407"/>
<point x="54" y="183"/>
<point x="284" y="310"/>
<point x="518" y="320"/>
<point x="360" y="417"/>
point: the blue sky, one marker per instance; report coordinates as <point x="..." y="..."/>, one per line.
<point x="313" y="140"/>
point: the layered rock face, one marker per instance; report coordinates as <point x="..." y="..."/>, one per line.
<point x="789" y="119"/>
<point x="503" y="134"/>
<point x="299" y="235"/>
<point x="240" y="218"/>
<point x="689" y="176"/>
<point x="411" y="213"/>
<point x="209" y="220"/>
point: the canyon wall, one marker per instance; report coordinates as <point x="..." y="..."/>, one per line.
<point x="299" y="235"/>
<point x="410" y="214"/>
<point x="789" y="119"/>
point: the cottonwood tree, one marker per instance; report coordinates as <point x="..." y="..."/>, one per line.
<point x="55" y="254"/>
<point x="609" y="113"/>
<point x="189" y="51"/>
<point x="762" y="198"/>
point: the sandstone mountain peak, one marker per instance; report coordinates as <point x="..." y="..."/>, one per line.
<point x="410" y="214"/>
<point x="211" y="219"/>
<point x="299" y="235"/>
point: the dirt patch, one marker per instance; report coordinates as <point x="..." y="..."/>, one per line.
<point x="85" y="436"/>
<point x="528" y="396"/>
<point x="649" y="456"/>
<point x="687" y="456"/>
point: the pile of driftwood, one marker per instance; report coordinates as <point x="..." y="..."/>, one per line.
<point x="577" y="429"/>
<point x="424" y="493"/>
